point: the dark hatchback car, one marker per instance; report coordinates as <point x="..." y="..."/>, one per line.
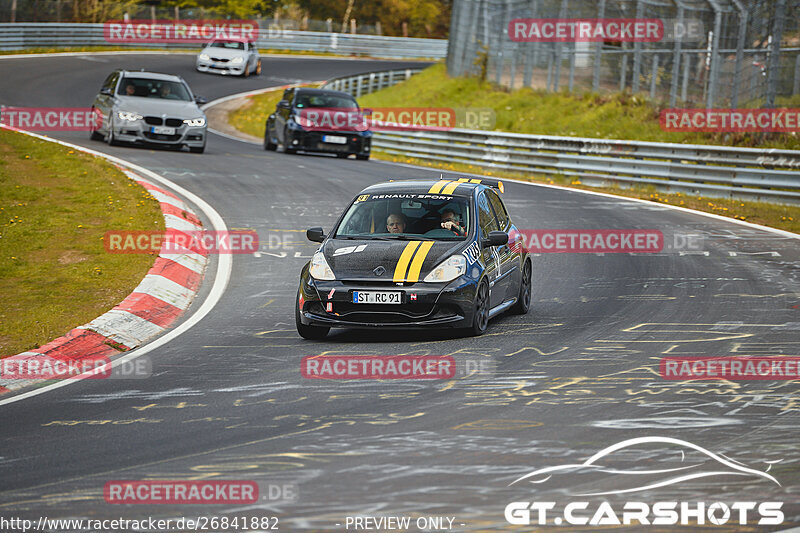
<point x="416" y="254"/>
<point x="318" y="120"/>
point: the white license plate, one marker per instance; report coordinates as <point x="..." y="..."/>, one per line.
<point x="372" y="297"/>
<point x="334" y="139"/>
<point x="162" y="130"/>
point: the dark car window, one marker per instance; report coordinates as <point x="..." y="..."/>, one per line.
<point x="149" y="88"/>
<point x="486" y="218"/>
<point x="325" y="101"/>
<point x="111" y="80"/>
<point x="230" y="45"/>
<point x="499" y="209"/>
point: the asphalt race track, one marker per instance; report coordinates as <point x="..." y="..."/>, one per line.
<point x="577" y="374"/>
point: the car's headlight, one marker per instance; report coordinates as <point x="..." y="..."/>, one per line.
<point x="195" y="122"/>
<point x="129" y="115"/>
<point x="205" y="57"/>
<point x="448" y="270"/>
<point x="237" y="60"/>
<point x="319" y="268"/>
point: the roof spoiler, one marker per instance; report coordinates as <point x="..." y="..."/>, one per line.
<point x="489" y="182"/>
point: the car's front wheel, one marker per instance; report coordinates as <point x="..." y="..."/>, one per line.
<point x="110" y="139"/>
<point x="258" y="68"/>
<point x="94" y="134"/>
<point x="197" y="149"/>
<point x="362" y="157"/>
<point x="286" y="140"/>
<point x="480" y="319"/>
<point x="268" y="144"/>
<point x="524" y="299"/>
<point x="305" y="331"/>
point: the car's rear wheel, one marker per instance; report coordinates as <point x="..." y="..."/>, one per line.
<point x="524" y="299"/>
<point x="342" y="156"/>
<point x="480" y="319"/>
<point x="246" y="71"/>
<point x="362" y="157"/>
<point x="93" y="134"/>
<point x="305" y="331"/>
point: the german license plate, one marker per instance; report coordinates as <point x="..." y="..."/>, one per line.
<point x="334" y="139"/>
<point x="377" y="297"/>
<point x="162" y="130"/>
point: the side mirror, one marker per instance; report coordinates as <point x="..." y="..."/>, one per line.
<point x="201" y="100"/>
<point x="284" y="104"/>
<point x="106" y="91"/>
<point x="496" y="238"/>
<point x="315" y="234"/>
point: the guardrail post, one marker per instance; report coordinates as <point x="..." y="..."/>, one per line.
<point x="796" y="87"/>
<point x="391" y="78"/>
<point x="371" y="83"/>
<point x="676" y="61"/>
<point x="637" y="54"/>
<point x="601" y="9"/>
<point x="358" y="86"/>
<point x="654" y="77"/>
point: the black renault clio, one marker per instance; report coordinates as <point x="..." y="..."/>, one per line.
<point x="416" y="254"/>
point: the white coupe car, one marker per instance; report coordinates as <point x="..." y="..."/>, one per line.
<point x="230" y="56"/>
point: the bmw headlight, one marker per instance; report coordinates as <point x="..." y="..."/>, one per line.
<point x="195" y="122"/>
<point x="319" y="268"/>
<point x="448" y="270"/>
<point x="129" y="116"/>
<point x="205" y="57"/>
<point x="237" y="60"/>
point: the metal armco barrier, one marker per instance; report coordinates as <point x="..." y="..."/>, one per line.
<point x="370" y="82"/>
<point x="45" y="35"/>
<point x="752" y="173"/>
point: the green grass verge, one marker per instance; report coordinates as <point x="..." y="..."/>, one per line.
<point x="55" y="206"/>
<point x="614" y="116"/>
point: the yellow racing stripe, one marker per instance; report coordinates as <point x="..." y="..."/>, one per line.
<point x="438" y="186"/>
<point x="451" y="187"/>
<point x="405" y="258"/>
<point x="416" y="265"/>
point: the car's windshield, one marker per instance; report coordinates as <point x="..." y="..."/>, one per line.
<point x="149" y="88"/>
<point x="231" y="45"/>
<point x="407" y="216"/>
<point x="325" y="101"/>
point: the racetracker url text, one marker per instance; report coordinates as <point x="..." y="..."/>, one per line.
<point x="124" y="525"/>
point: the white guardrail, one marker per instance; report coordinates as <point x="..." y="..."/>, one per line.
<point x="19" y="36"/>
<point x="708" y="170"/>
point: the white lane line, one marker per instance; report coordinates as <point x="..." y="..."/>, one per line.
<point x="221" y="279"/>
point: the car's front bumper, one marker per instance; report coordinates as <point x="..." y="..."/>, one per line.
<point x="224" y="68"/>
<point x="424" y="305"/>
<point x="140" y="132"/>
<point x="357" y="142"/>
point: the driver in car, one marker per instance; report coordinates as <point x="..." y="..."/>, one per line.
<point x="452" y="221"/>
